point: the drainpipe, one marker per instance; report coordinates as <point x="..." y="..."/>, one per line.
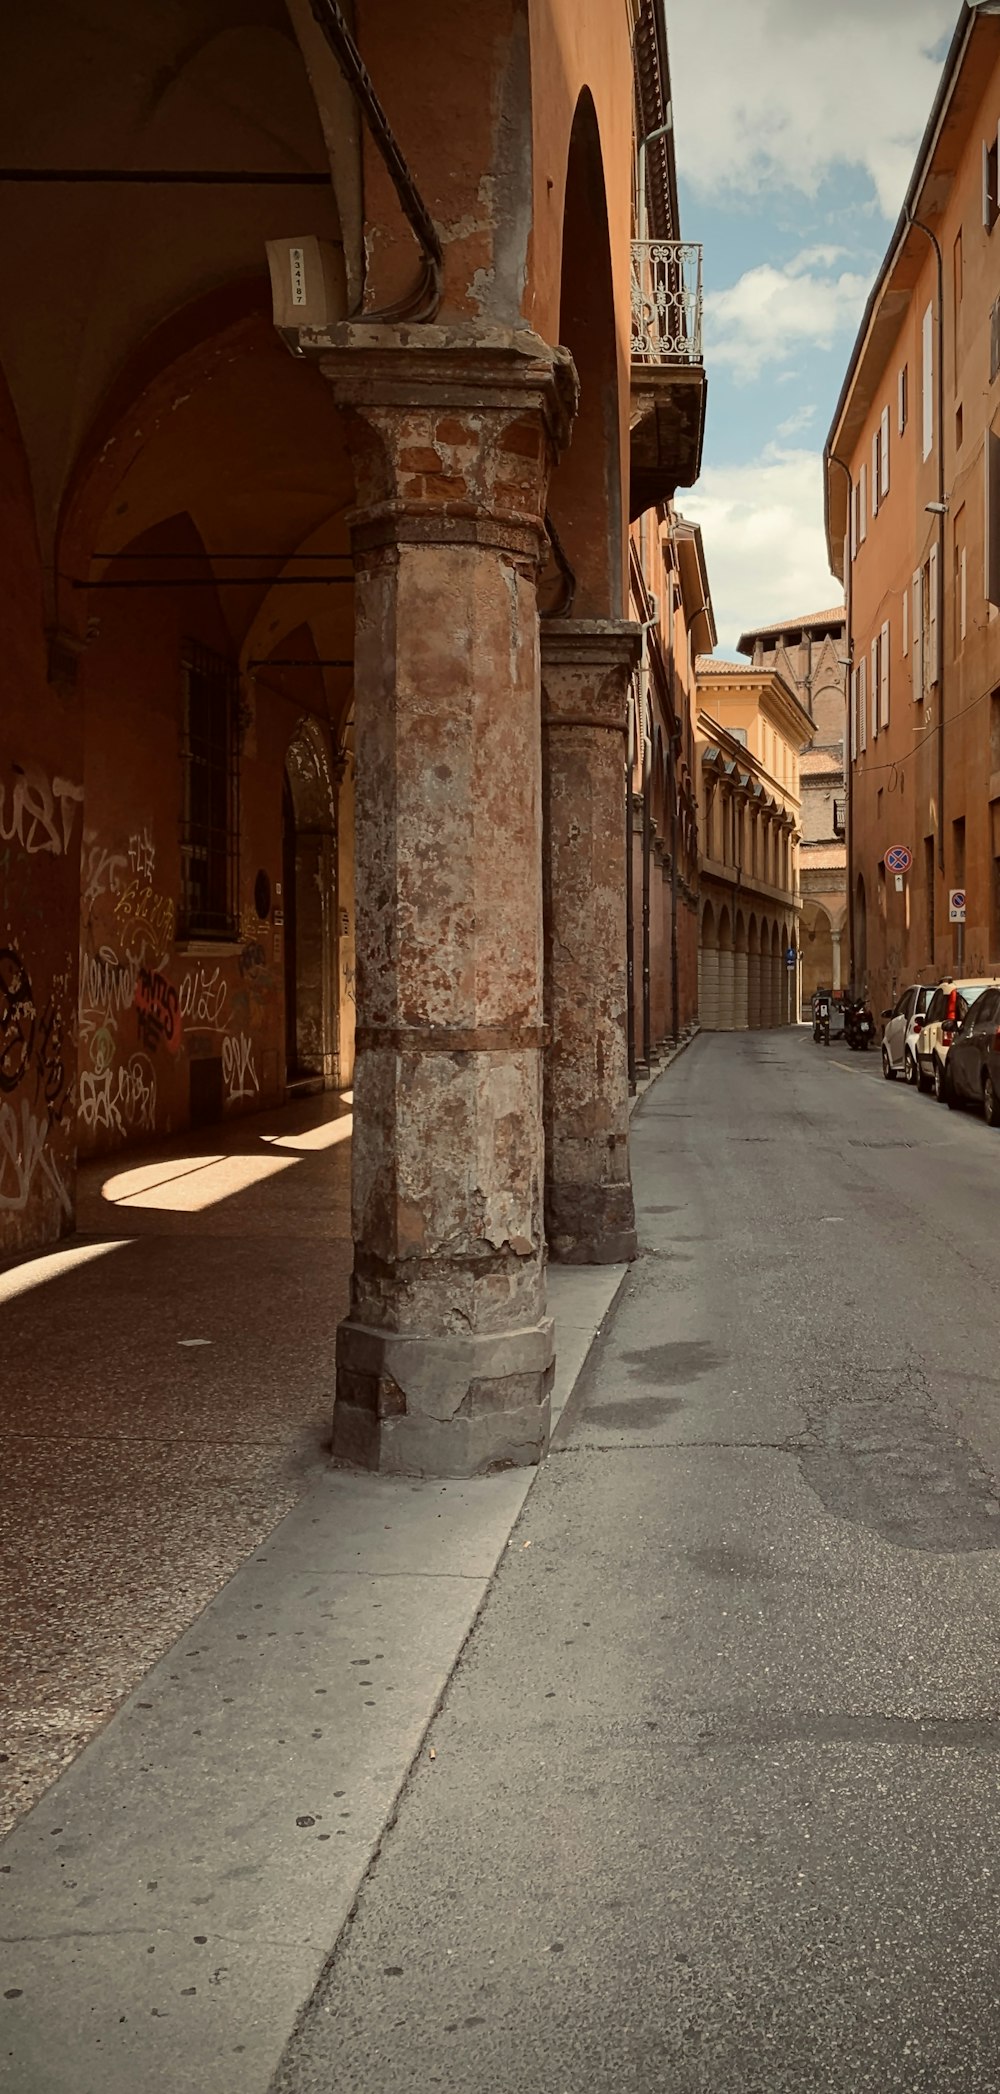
<point x="848" y="753"/>
<point x="941" y="510"/>
<point x="629" y="899"/>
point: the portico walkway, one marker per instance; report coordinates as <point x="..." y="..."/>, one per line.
<point x="166" y="1397"/>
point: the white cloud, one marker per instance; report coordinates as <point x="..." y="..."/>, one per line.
<point x="764" y="542"/>
<point x="767" y="316"/>
<point x="796" y="423"/>
<point x="774" y="93"/>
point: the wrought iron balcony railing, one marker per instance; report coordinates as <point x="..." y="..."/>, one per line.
<point x="666" y="302"/>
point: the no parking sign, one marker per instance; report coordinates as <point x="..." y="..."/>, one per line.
<point x="898" y="859"/>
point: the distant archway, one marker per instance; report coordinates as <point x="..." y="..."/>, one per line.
<point x="309" y="898"/>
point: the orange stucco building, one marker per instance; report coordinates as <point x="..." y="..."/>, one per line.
<point x="913" y="523"/>
<point x="749" y="729"/>
<point x="341" y="351"/>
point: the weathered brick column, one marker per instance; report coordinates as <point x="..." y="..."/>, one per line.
<point x="444" y="1362"/>
<point x="589" y="1211"/>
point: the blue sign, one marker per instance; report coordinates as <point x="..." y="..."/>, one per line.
<point x="790" y="956"/>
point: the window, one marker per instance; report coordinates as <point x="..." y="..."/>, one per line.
<point x="928" y="382"/>
<point x="991" y="207"/>
<point x="906" y="622"/>
<point x="876" y="473"/>
<point x="991" y="561"/>
<point x="959" y="427"/>
<point x="918" y="637"/>
<point x="932" y="649"/>
<point x="862" y="504"/>
<point x="210" y="752"/>
<point x="904" y="397"/>
<point x="958" y="291"/>
<point x="995" y="729"/>
<point x="883" y="453"/>
<point x="960" y="580"/>
<point x="884" y="651"/>
<point x="876" y="650"/>
<point x="863" y="703"/>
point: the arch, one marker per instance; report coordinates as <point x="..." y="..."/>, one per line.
<point x="860" y="936"/>
<point x="741" y="975"/>
<point x="585" y="491"/>
<point x="709" y="933"/>
<point x="309" y="893"/>
<point x="753" y="973"/>
<point x="708" y="970"/>
<point x="725" y="930"/>
<point x="816" y="938"/>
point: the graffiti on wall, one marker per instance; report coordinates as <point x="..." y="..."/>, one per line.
<point x="38" y="812"/>
<point x="239" y="1072"/>
<point x="202" y="998"/>
<point x="37" y="1089"/>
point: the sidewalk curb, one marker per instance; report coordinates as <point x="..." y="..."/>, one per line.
<point x="641" y="1090"/>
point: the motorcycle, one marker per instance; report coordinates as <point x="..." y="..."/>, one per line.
<point x="859" y="1025"/>
<point x="821" y="1020"/>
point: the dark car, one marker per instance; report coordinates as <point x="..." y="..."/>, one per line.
<point x="972" y="1070"/>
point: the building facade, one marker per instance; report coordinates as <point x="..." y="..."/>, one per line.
<point x="913" y="525"/>
<point x="673" y="610"/>
<point x="809" y="654"/>
<point x="360" y="347"/>
<point x="749" y="730"/>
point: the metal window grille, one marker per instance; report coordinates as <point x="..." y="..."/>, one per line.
<point x="667" y="301"/>
<point x="210" y="818"/>
<point x="839" y="817"/>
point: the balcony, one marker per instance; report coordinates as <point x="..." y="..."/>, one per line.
<point x="668" y="375"/>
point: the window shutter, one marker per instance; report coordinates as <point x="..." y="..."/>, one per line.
<point x="875" y="655"/>
<point x="991" y="466"/>
<point x="934" y="637"/>
<point x="903" y="401"/>
<point x="928" y="381"/>
<point x="906" y="622"/>
<point x="884" y="453"/>
<point x="862" y="503"/>
<point x="963" y="594"/>
<point x="987" y="219"/>
<point x="884" y="653"/>
<point x="863" y="702"/>
<point x="918" y="638"/>
<point x="875" y="474"/>
<point x="854" y="520"/>
<point x="854" y="714"/>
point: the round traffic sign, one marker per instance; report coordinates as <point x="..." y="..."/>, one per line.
<point x="899" y="859"/>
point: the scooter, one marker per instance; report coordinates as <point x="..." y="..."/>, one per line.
<point x="859" y="1025"/>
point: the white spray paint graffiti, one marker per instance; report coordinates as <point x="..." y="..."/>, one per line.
<point x="119" y="1099"/>
<point x="100" y="871"/>
<point x="238" y="1066"/>
<point x="142" y="855"/>
<point x="202" y="999"/>
<point x="25" y="1156"/>
<point x="41" y="815"/>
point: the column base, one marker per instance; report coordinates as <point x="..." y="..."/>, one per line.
<point x="452" y="1406"/>
<point x="591" y="1225"/>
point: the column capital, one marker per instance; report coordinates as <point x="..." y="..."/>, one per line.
<point x="453" y="431"/>
<point x="586" y="665"/>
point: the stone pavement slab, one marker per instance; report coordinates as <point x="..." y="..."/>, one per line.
<point x="170" y="1903"/>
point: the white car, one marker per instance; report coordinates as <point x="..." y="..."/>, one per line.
<point x="942" y="1019"/>
<point x="902" y="1028"/>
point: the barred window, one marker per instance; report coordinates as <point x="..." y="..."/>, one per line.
<point x="210" y="819"/>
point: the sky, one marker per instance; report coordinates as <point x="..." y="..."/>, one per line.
<point x="796" y="125"/>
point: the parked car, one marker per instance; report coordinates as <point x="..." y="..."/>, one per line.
<point x="902" y="1028"/>
<point x="942" y="1020"/>
<point x="972" y="1070"/>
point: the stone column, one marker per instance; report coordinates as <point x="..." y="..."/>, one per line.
<point x="741" y="1017"/>
<point x="724" y="1011"/>
<point x="835" y="942"/>
<point x="708" y="988"/>
<point x="753" y="991"/>
<point x="586" y="665"/>
<point x="444" y="1362"/>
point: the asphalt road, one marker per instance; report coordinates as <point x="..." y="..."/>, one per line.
<point x="713" y="1806"/>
